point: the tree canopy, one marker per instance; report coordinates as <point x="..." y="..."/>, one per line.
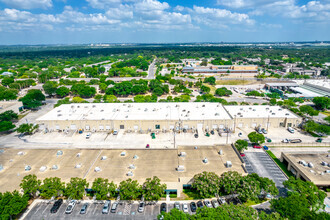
<point x="257" y="138"/>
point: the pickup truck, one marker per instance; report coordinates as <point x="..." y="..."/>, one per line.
<point x="293" y="141"/>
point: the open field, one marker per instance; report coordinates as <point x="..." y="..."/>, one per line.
<point x="161" y="163"/>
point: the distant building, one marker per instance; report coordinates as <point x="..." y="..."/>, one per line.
<point x="222" y="69"/>
<point x="7" y="74"/>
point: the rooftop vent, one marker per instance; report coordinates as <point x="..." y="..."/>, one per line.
<point x="129" y="173"/>
<point x="97" y="169"/>
<point x="59" y="115"/>
<point x="205" y="160"/>
<point x="78" y="166"/>
<point x="273" y="113"/>
<point x="78" y="155"/>
<point x="54" y="167"/>
<point x="94" y="106"/>
<point x="43" y="168"/>
<point x="102" y="110"/>
<point x="20" y="153"/>
<point x="132" y="167"/>
<point x="229" y="164"/>
<point x="287" y="114"/>
<point x="59" y="153"/>
<point x="59" y="111"/>
<point x="27" y="168"/>
<point x="180" y="168"/>
<point x="103" y="157"/>
<point x="136" y="157"/>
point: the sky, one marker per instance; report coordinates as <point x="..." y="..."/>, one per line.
<point x="154" y="21"/>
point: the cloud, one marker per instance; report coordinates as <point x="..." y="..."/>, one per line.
<point x="312" y="11"/>
<point x="102" y="4"/>
<point x="243" y="3"/>
<point x="28" y="4"/>
<point x="215" y="17"/>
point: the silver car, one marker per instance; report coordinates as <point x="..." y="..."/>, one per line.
<point x="141" y="207"/>
<point x="106" y="207"/>
<point x="83" y="209"/>
<point x="70" y="207"/>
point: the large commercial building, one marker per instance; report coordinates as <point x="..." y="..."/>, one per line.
<point x="313" y="167"/>
<point x="165" y="117"/>
<point x="222" y="69"/>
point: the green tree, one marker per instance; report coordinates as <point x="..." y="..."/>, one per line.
<point x="206" y="184"/>
<point x="174" y="214"/>
<point x="294" y="206"/>
<point x="308" y="110"/>
<point x="321" y="103"/>
<point x="205" y="89"/>
<point x="6" y="126"/>
<point x="241" y="145"/>
<point x="257" y="138"/>
<point x="7" y="80"/>
<point x="210" y="80"/>
<point x="103" y="87"/>
<point x="75" y="189"/>
<point x="152" y="189"/>
<point x="78" y="100"/>
<point x="12" y="204"/>
<point x="33" y="98"/>
<point x="272" y="101"/>
<point x="223" y="91"/>
<point x="255" y="93"/>
<point x="8" y="116"/>
<point x="129" y="189"/>
<point x="27" y="128"/>
<point x="30" y="185"/>
<point x="50" y="87"/>
<point x="103" y="189"/>
<point x="158" y="91"/>
<point x="110" y="98"/>
<point x="52" y="186"/>
<point x="314" y="196"/>
<point x="230" y="182"/>
<point x="62" y="91"/>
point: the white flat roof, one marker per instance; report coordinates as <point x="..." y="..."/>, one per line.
<point x="137" y="111"/>
<point x="259" y="111"/>
<point x="305" y="92"/>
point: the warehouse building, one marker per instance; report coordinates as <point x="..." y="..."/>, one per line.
<point x="313" y="167"/>
<point x="222" y="69"/>
<point x="133" y="117"/>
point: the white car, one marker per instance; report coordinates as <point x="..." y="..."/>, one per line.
<point x="291" y="130"/>
<point x="70" y="207"/>
<point x="185" y="207"/>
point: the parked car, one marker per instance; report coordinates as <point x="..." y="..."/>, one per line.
<point x="242" y="154"/>
<point x="83" y="209"/>
<point x="294" y="141"/>
<point x="88" y="135"/>
<point x="256" y="146"/>
<point x="222" y="200"/>
<point x="163" y="207"/>
<point x="70" y="207"/>
<point x="208" y="203"/>
<point x="200" y="204"/>
<point x="319" y="140"/>
<point x="264" y="131"/>
<point x="265" y="147"/>
<point x="240" y="134"/>
<point x="259" y="131"/>
<point x="114" y="207"/>
<point x="193" y="206"/>
<point x="185" y="207"/>
<point x="141" y="207"/>
<point x="177" y="205"/>
<point x="291" y="130"/>
<point x="106" y="207"/>
<point x="147" y="146"/>
<point x="215" y="203"/>
<point x="56" y="206"/>
<point x="286" y="140"/>
<point x="115" y="132"/>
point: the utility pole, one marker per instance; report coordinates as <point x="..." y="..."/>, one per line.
<point x="268" y="122"/>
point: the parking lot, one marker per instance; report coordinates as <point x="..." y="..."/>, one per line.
<point x="125" y="210"/>
<point x="257" y="161"/>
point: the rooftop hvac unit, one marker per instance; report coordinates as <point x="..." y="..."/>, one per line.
<point x="43" y="169"/>
<point x="54" y="167"/>
<point x="77" y="166"/>
<point x="310" y="165"/>
<point x="1" y="167"/>
<point x="280" y="109"/>
<point x="131" y="166"/>
<point x="324" y="163"/>
<point x="97" y="169"/>
<point x="303" y="163"/>
<point x="205" y="160"/>
<point x="59" y="153"/>
<point x="229" y="164"/>
<point x="220" y="152"/>
<point x="180" y="168"/>
<point x="20" y="153"/>
<point x="135" y="157"/>
<point x="27" y="168"/>
<point x="78" y="155"/>
<point x="182" y="154"/>
<point x="129" y="173"/>
<point x="103" y="157"/>
<point x="123" y="154"/>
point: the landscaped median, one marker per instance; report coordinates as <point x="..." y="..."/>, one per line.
<point x="279" y="163"/>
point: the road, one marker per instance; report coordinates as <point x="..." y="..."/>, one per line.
<point x="151" y="70"/>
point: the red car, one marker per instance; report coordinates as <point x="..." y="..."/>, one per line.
<point x="257" y="146"/>
<point x="148" y="146"/>
<point x="242" y="154"/>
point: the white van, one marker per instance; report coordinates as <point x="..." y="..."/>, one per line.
<point x="290" y="130"/>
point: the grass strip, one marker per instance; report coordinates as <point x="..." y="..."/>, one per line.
<point x="279" y="163"/>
